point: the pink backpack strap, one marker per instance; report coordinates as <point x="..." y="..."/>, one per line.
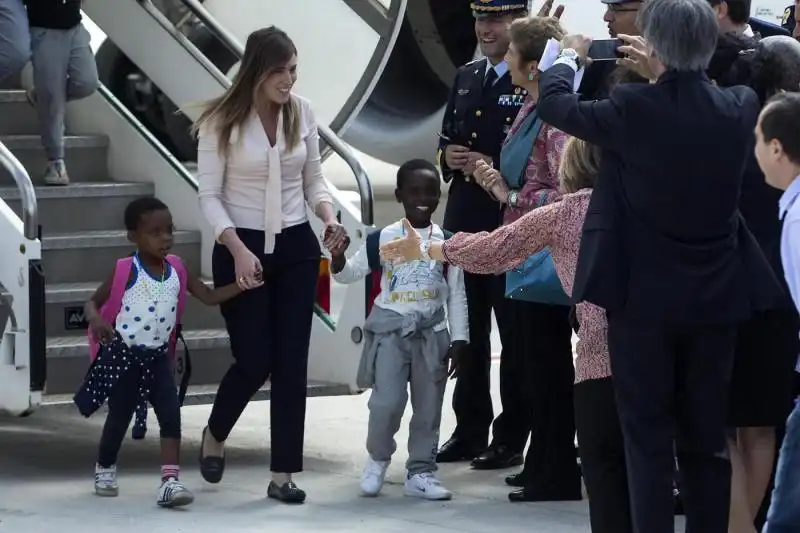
<point x="110" y="309"/>
<point x="177" y="264"/>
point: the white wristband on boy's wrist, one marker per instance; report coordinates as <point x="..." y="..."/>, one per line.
<point x="424" y="249"/>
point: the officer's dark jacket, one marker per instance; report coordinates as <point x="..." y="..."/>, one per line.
<point x="479" y="119"/>
<point x="663" y="239"/>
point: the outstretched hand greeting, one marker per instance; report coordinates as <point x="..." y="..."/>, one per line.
<point x="403" y="249"/>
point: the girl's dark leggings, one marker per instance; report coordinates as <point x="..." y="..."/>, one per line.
<point x="122" y="404"/>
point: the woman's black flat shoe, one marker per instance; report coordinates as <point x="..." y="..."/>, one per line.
<point x="211" y="467"/>
<point x="286" y="493"/>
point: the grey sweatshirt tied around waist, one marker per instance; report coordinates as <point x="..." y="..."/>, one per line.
<point x="413" y="331"/>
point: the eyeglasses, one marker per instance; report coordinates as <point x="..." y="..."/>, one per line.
<point x="614" y="9"/>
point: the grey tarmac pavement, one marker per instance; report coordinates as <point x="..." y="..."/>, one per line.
<point x="46" y="467"/>
<point x="46" y="475"/>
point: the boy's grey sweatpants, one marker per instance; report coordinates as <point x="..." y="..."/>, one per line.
<point x="15" y="41"/>
<point x="400" y="360"/>
<point x="64" y="69"/>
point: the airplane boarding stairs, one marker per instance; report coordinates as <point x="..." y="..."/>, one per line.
<point x="113" y="159"/>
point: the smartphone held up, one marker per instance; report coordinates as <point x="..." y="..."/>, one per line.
<point x="605" y="50"/>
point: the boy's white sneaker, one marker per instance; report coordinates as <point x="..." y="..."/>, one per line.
<point x="373" y="476"/>
<point x="172" y="493"/>
<point x="426" y="486"/>
<point x="105" y="481"/>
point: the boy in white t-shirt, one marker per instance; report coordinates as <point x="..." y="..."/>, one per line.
<point x="406" y="338"/>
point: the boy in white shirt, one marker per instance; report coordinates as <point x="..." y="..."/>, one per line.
<point x="778" y="153"/>
<point x="406" y="338"/>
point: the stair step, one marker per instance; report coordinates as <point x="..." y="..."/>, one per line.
<point x="65" y="301"/>
<point x="33" y="142"/>
<point x="85" y="155"/>
<point x="58" y="206"/>
<point x="70" y="346"/>
<point x="68" y="359"/>
<point x="11" y="82"/>
<point x="18" y="115"/>
<point x="12" y="96"/>
<point x="90" y="255"/>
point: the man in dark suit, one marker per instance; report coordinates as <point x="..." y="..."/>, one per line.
<point x="480" y="110"/>
<point x="665" y="251"/>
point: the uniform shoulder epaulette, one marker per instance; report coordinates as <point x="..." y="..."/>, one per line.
<point x="468" y="67"/>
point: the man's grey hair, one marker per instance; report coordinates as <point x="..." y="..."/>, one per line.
<point x="682" y="33"/>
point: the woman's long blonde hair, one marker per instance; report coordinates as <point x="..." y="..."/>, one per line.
<point x="580" y="164"/>
<point x="267" y="50"/>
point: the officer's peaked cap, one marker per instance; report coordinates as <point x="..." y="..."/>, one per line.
<point x="498" y="7"/>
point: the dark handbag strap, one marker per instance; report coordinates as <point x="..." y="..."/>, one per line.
<point x="187" y="367"/>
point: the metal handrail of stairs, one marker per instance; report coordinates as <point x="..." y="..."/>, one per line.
<point x="30" y="207"/>
<point x="36" y="331"/>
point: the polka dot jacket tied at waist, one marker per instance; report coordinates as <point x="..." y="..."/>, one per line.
<point x="146" y="314"/>
<point x="112" y="362"/>
<point x="557" y="226"/>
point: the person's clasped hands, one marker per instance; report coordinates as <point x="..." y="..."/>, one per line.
<point x="335" y="238"/>
<point x="491" y="180"/>
<point x="461" y="158"/>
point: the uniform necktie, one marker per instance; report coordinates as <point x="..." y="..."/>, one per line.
<point x="491" y="77"/>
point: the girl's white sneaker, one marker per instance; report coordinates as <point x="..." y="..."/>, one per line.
<point x="105" y="481"/>
<point x="172" y="493"/>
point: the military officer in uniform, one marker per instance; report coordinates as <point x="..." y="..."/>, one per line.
<point x="480" y="110"/>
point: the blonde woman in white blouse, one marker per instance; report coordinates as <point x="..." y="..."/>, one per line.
<point x="258" y="166"/>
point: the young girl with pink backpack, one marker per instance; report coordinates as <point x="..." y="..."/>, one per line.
<point x="134" y="318"/>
